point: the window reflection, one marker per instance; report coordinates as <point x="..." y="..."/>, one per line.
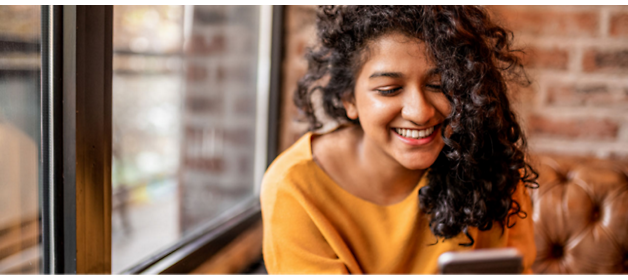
<point x="19" y="139"/>
<point x="184" y="95"/>
<point x="147" y="85"/>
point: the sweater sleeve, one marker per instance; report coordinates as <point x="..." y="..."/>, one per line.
<point x="521" y="235"/>
<point x="292" y="242"/>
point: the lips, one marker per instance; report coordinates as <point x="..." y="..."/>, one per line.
<point x="415" y="133"/>
<point x="417" y="137"/>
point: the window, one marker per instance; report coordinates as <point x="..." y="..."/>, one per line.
<point x="185" y="122"/>
<point x="20" y="66"/>
<point x="142" y="145"/>
<point x="189" y="138"/>
<point x="147" y="93"/>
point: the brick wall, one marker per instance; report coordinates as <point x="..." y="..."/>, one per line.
<point x="218" y="148"/>
<point x="577" y="57"/>
<point x="299" y="33"/>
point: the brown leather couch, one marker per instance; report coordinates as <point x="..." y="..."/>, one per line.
<point x="580" y="216"/>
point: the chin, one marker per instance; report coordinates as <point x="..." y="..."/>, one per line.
<point x="420" y="162"/>
<point x="422" y="159"/>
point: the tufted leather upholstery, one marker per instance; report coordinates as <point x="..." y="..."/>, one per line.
<point x="580" y="215"/>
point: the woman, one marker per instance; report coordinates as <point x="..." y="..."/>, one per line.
<point x="431" y="158"/>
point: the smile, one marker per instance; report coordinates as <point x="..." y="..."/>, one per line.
<point x="417" y="137"/>
<point x="415" y="133"/>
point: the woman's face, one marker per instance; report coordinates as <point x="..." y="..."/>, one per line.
<point x="399" y="101"/>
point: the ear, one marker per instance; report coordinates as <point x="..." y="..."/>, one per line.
<point x="350" y="108"/>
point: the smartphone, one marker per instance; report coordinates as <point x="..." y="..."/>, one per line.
<point x="482" y="261"/>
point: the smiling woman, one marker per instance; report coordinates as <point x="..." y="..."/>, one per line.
<point x="430" y="160"/>
<point x="398" y="89"/>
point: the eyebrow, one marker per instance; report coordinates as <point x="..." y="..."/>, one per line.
<point x="431" y="72"/>
<point x="386" y="74"/>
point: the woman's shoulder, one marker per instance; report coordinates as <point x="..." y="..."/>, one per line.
<point x="298" y="169"/>
<point x="293" y="164"/>
<point x="304" y="155"/>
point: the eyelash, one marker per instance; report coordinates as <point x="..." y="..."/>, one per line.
<point x="391" y="91"/>
<point x="434" y="87"/>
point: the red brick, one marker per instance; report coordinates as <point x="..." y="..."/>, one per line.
<point x="195" y="73"/>
<point x="245" y="166"/>
<point x="242" y="73"/>
<point x="543" y="21"/>
<point x="299" y="18"/>
<point x="595" y="60"/>
<point x="597" y="94"/>
<point x="619" y="25"/>
<point x="210" y="15"/>
<point x="244" y="105"/>
<point x="220" y="73"/>
<point x="239" y="136"/>
<point x="553" y="58"/>
<point x="522" y="94"/>
<point x="205" y="104"/>
<point x="572" y="128"/>
<point x="212" y="165"/>
<point x="301" y="48"/>
<point x="619" y="156"/>
<point x="207" y="45"/>
<point x="194" y="136"/>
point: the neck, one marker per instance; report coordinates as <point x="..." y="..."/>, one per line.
<point x="388" y="179"/>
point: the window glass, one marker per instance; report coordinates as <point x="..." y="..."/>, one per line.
<point x="184" y="101"/>
<point x="20" y="66"/>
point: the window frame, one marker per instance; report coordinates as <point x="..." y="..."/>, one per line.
<point x="52" y="145"/>
<point x="76" y="210"/>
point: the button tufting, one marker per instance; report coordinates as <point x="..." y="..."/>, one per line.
<point x="595" y="213"/>
<point x="595" y="193"/>
<point x="562" y="177"/>
<point x="565" y="176"/>
<point x="569" y="175"/>
<point x="557" y="251"/>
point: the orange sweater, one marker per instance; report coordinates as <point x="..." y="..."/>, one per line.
<point x="313" y="226"/>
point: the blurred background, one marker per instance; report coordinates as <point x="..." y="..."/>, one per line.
<point x="184" y="97"/>
<point x="184" y="111"/>
<point x="20" y="65"/>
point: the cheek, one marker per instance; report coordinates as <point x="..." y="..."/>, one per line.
<point x="444" y="108"/>
<point x="443" y="105"/>
<point x="375" y="110"/>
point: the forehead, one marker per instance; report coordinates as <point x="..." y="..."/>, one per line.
<point x="396" y="52"/>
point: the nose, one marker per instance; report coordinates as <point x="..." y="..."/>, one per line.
<point x="417" y="108"/>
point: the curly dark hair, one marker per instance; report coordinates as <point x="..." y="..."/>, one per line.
<point x="472" y="181"/>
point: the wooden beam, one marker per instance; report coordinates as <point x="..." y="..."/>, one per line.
<point x="87" y="121"/>
<point x="236" y="256"/>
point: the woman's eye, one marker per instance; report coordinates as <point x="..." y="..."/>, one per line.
<point x="434" y="87"/>
<point x="388" y="91"/>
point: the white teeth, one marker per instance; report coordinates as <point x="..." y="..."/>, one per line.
<point x="413" y="133"/>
